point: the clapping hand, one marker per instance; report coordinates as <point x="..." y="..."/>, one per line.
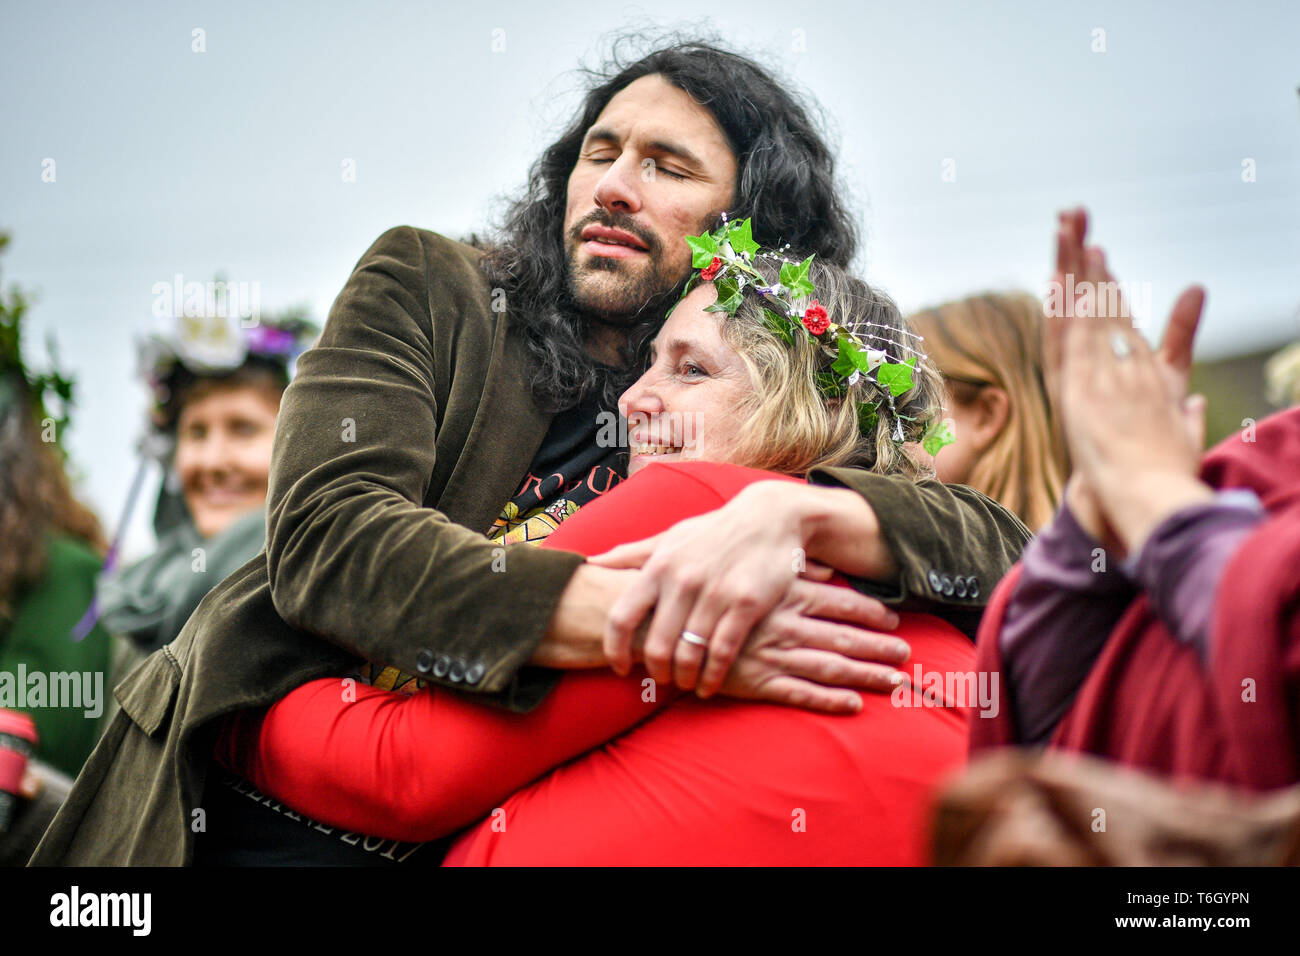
<point x="1134" y="435"/>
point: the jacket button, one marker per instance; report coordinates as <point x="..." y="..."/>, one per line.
<point x="959" y="583"/>
<point x="974" y="589"/>
<point x="424" y="661"/>
<point x="947" y="586"/>
<point x="936" y="582"/>
<point x="475" y="673"/>
<point x="457" y="671"/>
<point x="441" y="666"/>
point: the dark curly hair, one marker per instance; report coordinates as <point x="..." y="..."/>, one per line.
<point x="785" y="179"/>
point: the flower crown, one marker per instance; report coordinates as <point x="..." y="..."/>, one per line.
<point x="726" y="257"/>
<point x="16" y="377"/>
<point x="215" y="345"/>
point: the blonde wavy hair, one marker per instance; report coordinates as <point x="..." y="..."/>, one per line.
<point x="791" y="427"/>
<point x="995" y="339"/>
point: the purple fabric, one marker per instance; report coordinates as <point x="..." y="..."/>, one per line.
<point x="1180" y="565"/>
<point x="1063" y="610"/>
<point x="1057" y="621"/>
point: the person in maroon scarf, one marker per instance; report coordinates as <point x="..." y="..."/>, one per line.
<point x="1155" y="622"/>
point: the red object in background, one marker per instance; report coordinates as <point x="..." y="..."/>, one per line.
<point x="18" y="739"/>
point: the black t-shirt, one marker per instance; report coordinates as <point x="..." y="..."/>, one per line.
<point x="575" y="464"/>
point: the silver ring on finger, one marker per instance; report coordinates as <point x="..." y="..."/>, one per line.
<point x="690" y="637"/>
<point x="1119" y="345"/>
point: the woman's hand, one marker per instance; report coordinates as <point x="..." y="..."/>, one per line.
<point x="1133" y="438"/>
<point x="717" y="575"/>
<point x="799" y="655"/>
<point x="1170" y="365"/>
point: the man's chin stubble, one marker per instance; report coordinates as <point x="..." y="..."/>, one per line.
<point x="624" y="301"/>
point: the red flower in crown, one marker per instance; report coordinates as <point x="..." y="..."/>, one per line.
<point x="711" y="270"/>
<point x="815" y="320"/>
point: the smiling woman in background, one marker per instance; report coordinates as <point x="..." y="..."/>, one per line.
<point x="989" y="350"/>
<point x="216" y="388"/>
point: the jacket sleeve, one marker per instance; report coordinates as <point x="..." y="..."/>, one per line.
<point x="352" y="553"/>
<point x="952" y="544"/>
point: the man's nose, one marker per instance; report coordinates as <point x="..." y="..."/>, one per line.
<point x="619" y="189"/>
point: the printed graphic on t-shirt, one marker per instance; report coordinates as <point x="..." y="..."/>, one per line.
<point x="540" y="506"/>
<point x="571" y="469"/>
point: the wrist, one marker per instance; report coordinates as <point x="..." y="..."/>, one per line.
<point x="1147" y="499"/>
<point x="840" y="529"/>
<point x="576" y="634"/>
<point x="820" y="510"/>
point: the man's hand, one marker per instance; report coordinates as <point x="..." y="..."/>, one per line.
<point x="817" y="648"/>
<point x="718" y="574"/>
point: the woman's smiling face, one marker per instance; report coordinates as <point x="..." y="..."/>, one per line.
<point x="223" y="454"/>
<point x="691" y="400"/>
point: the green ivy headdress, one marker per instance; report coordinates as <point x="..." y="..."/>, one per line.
<point x="16" y="377"/>
<point x="726" y="258"/>
<point x="213" y="345"/>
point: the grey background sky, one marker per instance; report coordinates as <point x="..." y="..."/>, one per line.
<point x="173" y="161"/>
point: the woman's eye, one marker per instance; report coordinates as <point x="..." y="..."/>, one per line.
<point x="690" y="369"/>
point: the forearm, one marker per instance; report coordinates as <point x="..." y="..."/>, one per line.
<point x="841" y="530"/>
<point x="1182" y="561"/>
<point x="403" y="586"/>
<point x="950" y="543"/>
<point x="574" y="637"/>
<point x="1136" y="504"/>
<point x="419" y="765"/>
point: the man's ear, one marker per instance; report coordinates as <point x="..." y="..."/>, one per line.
<point x="992" y="410"/>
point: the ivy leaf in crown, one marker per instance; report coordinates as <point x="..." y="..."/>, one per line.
<point x="795" y="278"/>
<point x="938" y="435"/>
<point x="896" y="378"/>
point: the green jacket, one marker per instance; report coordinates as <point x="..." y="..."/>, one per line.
<point x="404" y="432"/>
<point x="38" y="641"/>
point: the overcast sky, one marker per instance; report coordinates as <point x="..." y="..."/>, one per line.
<point x="168" y="160"/>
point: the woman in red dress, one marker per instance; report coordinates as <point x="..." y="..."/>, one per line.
<point x="732" y="405"/>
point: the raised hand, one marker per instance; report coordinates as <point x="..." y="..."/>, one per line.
<point x="1096" y="300"/>
<point x="1134" y="440"/>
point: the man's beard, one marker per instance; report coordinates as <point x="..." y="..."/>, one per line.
<point x="617" y="291"/>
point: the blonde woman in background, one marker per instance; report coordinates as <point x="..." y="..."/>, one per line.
<point x="988" y="348"/>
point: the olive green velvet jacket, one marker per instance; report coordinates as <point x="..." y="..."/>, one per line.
<point x="403" y="434"/>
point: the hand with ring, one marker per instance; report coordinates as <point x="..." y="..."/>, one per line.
<point x="1084" y="269"/>
<point x="1134" y="437"/>
<point x="711" y="581"/>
